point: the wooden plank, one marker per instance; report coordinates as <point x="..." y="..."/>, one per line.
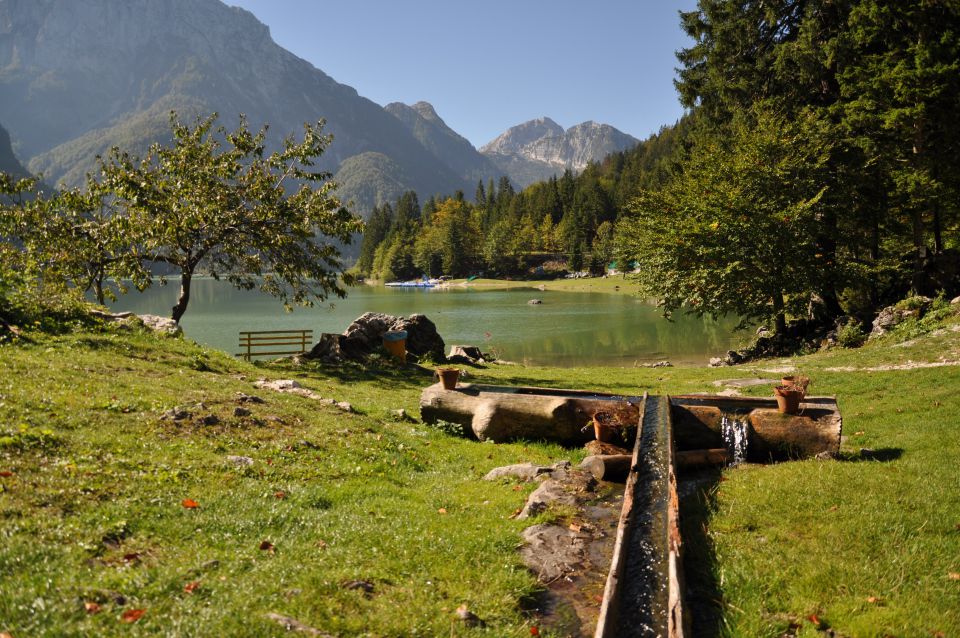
<point x="610" y="605"/>
<point x="264" y="344"/>
<point x="264" y="354"/>
<point x="643" y="596"/>
<point x="275" y="332"/>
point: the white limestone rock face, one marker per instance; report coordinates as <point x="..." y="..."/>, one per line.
<point x="540" y="148"/>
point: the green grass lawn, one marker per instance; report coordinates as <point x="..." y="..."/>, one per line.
<point x="93" y="483"/>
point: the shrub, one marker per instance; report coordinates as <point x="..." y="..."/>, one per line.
<point x="851" y="334"/>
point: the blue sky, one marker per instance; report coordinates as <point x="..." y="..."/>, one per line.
<point x="488" y="66"/>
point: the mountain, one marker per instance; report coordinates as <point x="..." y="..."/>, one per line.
<point x="77" y="77"/>
<point x="536" y="150"/>
<point x="8" y="161"/>
<point x="444" y="143"/>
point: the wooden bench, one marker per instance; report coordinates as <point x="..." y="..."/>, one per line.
<point x="251" y="342"/>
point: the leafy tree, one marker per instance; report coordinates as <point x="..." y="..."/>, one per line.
<point x="216" y="200"/>
<point x="735" y="231"/>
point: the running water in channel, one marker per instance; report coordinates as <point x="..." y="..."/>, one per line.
<point x="734" y="431"/>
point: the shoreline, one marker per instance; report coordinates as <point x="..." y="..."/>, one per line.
<point x="616" y="284"/>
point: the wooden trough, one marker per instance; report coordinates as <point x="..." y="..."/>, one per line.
<point x="644" y="593"/>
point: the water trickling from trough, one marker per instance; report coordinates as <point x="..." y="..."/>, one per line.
<point x="735" y="429"/>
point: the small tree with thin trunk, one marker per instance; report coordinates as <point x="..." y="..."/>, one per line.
<point x="217" y="202"/>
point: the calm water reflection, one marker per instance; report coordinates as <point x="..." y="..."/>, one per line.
<point x="568" y="329"/>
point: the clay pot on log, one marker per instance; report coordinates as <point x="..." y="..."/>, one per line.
<point x="788" y="399"/>
<point x="448" y="377"/>
<point x="604" y="427"/>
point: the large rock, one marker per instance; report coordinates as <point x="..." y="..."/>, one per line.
<point x="422" y="336"/>
<point x="329" y="349"/>
<point x="552" y="551"/>
<point x="892" y="316"/>
<point x="365" y="336"/>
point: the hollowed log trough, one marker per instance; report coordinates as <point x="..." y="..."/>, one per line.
<point x="644" y="592"/>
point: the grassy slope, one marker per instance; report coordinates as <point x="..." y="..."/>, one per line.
<point x="96" y="475"/>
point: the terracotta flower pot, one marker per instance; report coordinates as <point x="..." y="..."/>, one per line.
<point x="603" y="427"/>
<point x="788" y="399"/>
<point x="448" y="377"/>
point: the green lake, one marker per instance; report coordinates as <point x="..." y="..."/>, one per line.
<point x="567" y="329"/>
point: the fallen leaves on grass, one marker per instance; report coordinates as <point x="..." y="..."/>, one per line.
<point x="873" y="600"/>
<point x="132" y="615"/>
<point x="6" y="473"/>
<point x="442" y="510"/>
<point x="91" y="607"/>
<point x="953" y="576"/>
<point x="534" y="631"/>
<point x="267" y="546"/>
<point x="191" y="587"/>
<point x="132" y="557"/>
<point x="190" y="504"/>
<point x="322" y="544"/>
<point x="280" y="494"/>
<point x="4" y="634"/>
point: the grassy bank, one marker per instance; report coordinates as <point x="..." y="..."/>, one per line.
<point x="616" y="284"/>
<point x="362" y="524"/>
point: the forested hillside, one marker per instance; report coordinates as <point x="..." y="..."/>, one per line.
<point x="502" y="231"/>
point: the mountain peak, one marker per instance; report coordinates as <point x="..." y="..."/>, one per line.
<point x="540" y="148"/>
<point x="426" y="111"/>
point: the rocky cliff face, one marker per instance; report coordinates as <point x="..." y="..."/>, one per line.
<point x="79" y="77"/>
<point x="448" y="146"/>
<point x="8" y="161"/>
<point x="541" y="148"/>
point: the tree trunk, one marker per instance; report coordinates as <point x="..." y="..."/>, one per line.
<point x="186" y="278"/>
<point x="780" y="317"/>
<point x="98" y="289"/>
<point x="937" y="230"/>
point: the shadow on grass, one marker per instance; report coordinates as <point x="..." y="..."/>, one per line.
<point x="702" y="595"/>
<point x="389" y="375"/>
<point x="882" y="455"/>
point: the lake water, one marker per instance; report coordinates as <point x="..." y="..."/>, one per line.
<point x="567" y="329"/>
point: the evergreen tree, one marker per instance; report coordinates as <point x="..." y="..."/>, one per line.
<point x="480" y="197"/>
<point x="377" y="229"/>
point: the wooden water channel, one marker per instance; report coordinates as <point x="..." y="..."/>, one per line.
<point x="643" y="596"/>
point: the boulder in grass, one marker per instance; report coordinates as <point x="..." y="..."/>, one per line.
<point x="364" y="336"/>
<point x="162" y="325"/>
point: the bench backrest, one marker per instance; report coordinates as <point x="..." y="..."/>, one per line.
<point x="295" y="341"/>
